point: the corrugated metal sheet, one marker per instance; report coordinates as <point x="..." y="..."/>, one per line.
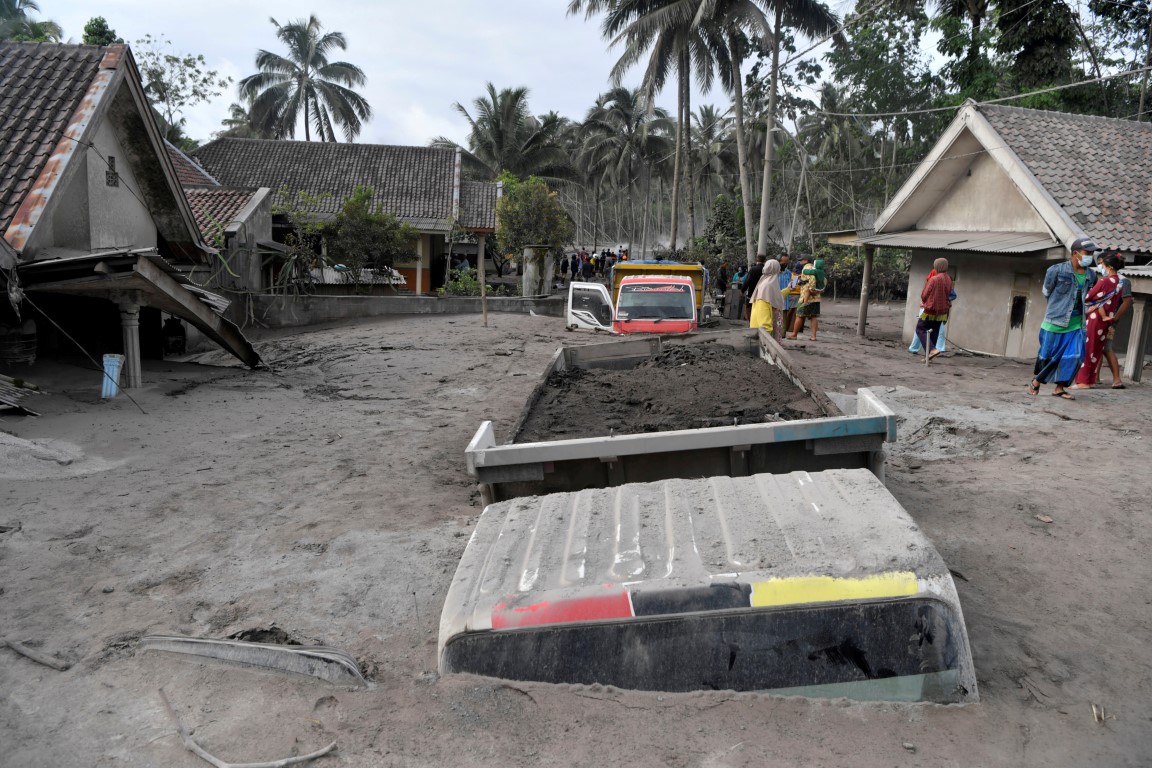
<point x="979" y="242"/>
<point x="685" y="534"/>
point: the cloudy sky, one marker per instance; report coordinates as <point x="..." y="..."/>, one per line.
<point x="420" y="57"/>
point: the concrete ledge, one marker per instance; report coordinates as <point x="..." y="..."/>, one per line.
<point x="291" y="311"/>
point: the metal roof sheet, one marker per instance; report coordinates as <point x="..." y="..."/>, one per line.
<point x="980" y="242"/>
<point x="678" y="534"/>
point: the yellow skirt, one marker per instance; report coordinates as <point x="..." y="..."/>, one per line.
<point x="761" y="315"/>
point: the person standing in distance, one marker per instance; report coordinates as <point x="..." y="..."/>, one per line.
<point x="1062" y="332"/>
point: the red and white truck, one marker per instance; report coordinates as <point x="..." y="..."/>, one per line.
<point x="646" y="303"/>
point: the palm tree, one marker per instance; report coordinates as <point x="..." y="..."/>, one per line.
<point x="623" y="136"/>
<point x="504" y="136"/>
<point x="241" y="124"/>
<point x="17" y="25"/>
<point x="712" y="158"/>
<point x="664" y="33"/>
<point x="306" y="84"/>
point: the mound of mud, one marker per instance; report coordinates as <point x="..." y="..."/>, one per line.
<point x="684" y="387"/>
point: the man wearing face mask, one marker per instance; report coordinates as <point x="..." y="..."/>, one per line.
<point x="1062" y="332"/>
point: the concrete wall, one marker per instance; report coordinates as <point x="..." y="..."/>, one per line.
<point x="288" y="312"/>
<point x="117" y="219"/>
<point x="985" y="200"/>
<point x="985" y="287"/>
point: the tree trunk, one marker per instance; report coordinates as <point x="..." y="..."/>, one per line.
<point x="688" y="156"/>
<point x="766" y="190"/>
<point x="742" y="149"/>
<point x="307" y="131"/>
<point x="681" y="74"/>
<point x="1144" y="80"/>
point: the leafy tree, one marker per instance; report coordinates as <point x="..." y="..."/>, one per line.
<point x="302" y="244"/>
<point x="17" y="25"/>
<point x="175" y="82"/>
<point x="97" y="32"/>
<point x="306" y="85"/>
<point x="504" y="136"/>
<point x="365" y="237"/>
<point x="530" y="214"/>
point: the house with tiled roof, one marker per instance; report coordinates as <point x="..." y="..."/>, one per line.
<point x="421" y="186"/>
<point x="91" y="205"/>
<point x="1002" y="195"/>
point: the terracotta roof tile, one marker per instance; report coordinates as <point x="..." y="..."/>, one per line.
<point x="41" y="85"/>
<point x="478" y="205"/>
<point x="413" y="183"/>
<point x="216" y="207"/>
<point x="1098" y="169"/>
<point x="187" y="171"/>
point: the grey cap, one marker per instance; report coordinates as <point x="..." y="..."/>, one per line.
<point x="1084" y="244"/>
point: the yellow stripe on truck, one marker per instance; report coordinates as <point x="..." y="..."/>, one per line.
<point x="827" y="589"/>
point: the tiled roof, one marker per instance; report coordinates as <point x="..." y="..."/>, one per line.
<point x="216" y="207"/>
<point x="478" y="205"/>
<point x="187" y="172"/>
<point x="413" y="183"/>
<point x="41" y="87"/>
<point x="1099" y="170"/>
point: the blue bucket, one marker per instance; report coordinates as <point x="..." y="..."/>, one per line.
<point x="113" y="364"/>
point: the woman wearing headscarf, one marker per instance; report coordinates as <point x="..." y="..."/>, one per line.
<point x="935" y="301"/>
<point x="768" y="300"/>
<point x="1101" y="304"/>
<point x="811" y="285"/>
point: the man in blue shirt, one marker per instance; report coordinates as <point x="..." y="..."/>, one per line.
<point x="1062" y="332"/>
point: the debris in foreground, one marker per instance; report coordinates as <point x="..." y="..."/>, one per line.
<point x="36" y="656"/>
<point x="191" y="745"/>
<point x="329" y="664"/>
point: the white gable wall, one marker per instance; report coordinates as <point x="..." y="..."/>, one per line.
<point x="983" y="200"/>
<point x="117" y="218"/>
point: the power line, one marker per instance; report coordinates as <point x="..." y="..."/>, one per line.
<point x="1000" y="100"/>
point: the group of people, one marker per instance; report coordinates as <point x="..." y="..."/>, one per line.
<point x="583" y="265"/>
<point x="1086" y="297"/>
<point x="778" y="295"/>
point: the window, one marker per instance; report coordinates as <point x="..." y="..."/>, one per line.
<point x="111" y="178"/>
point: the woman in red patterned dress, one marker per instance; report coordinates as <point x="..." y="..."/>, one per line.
<point x="1100" y="305"/>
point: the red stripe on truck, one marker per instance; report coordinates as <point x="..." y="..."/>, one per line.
<point x="508" y="615"/>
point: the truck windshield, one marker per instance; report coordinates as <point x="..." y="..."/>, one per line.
<point x="656" y="301"/>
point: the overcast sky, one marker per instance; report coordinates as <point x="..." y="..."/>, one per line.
<point x="420" y="56"/>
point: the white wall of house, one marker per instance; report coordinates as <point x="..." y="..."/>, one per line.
<point x="985" y="200"/>
<point x="987" y="285"/>
<point x="92" y="215"/>
<point x="117" y="218"/>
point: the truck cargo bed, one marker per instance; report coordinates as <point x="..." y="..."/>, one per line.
<point x="764" y="442"/>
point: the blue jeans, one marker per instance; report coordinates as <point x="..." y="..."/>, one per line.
<point x="917" y="346"/>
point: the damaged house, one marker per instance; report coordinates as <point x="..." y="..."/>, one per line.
<point x="99" y="235"/>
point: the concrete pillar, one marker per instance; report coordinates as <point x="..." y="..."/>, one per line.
<point x="420" y="263"/>
<point x="865" y="289"/>
<point x="480" y="237"/>
<point x="1137" y="338"/>
<point x="130" y="325"/>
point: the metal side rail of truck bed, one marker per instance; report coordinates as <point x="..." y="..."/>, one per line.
<point x="835" y="441"/>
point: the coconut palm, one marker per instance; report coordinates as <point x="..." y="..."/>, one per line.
<point x="505" y="136"/>
<point x="306" y="85"/>
<point x="241" y="124"/>
<point x="664" y="34"/>
<point x="16" y="23"/>
<point x="712" y="158"/>
<point x="623" y="137"/>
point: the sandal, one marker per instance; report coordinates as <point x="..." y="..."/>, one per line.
<point x="934" y="354"/>
<point x="1034" y="387"/>
<point x="1119" y="386"/>
<point x="1064" y="395"/>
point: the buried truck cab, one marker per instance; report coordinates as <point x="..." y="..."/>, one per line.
<point x="814" y="584"/>
<point x="644" y="304"/>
